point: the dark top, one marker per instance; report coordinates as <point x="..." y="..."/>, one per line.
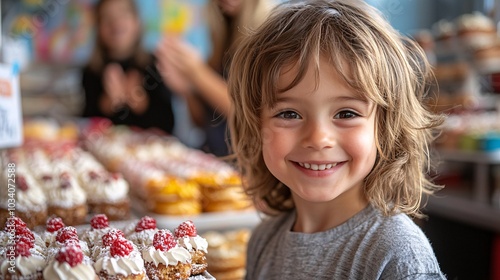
<point x="159" y="113"/>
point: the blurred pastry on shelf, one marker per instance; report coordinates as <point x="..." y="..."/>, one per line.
<point x="108" y="194"/>
<point x="173" y="196"/>
<point x="486" y="59"/>
<point x="26" y="198"/>
<point x="475" y="30"/>
<point x="227" y="253"/>
<point x="67" y="200"/>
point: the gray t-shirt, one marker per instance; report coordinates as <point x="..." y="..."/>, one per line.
<point x="367" y="246"/>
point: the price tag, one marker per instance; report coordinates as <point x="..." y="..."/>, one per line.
<point x="11" y="126"/>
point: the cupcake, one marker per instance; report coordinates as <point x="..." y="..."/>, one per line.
<point x="188" y="238"/>
<point x="109" y="195"/>
<point x="52" y="226"/>
<point x="106" y="241"/>
<point x="68" y="264"/>
<point x="144" y="232"/>
<point x="99" y="226"/>
<point x="65" y="236"/>
<point x="30" y="201"/>
<point x="68" y="200"/>
<point x="166" y="259"/>
<point x="122" y="261"/>
<point x="22" y="262"/>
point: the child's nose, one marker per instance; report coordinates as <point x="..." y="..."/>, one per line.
<point x="319" y="135"/>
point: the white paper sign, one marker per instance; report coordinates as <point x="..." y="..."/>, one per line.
<point x="11" y="123"/>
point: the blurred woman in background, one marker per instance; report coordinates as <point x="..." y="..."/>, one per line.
<point x="202" y="83"/>
<point x="121" y="81"/>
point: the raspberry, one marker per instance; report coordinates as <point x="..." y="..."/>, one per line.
<point x="70" y="254"/>
<point x="54" y="224"/>
<point x="121" y="247"/>
<point x="21" y="183"/>
<point x="14" y="222"/>
<point x="24" y="234"/>
<point x="146" y="222"/>
<point x="164" y="240"/>
<point x="22" y="249"/>
<point x="93" y="175"/>
<point x="99" y="221"/>
<point x="66" y="233"/>
<point x="186" y="228"/>
<point x="111" y="236"/>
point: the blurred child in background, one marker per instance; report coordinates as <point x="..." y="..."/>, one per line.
<point x="202" y="83"/>
<point x="121" y="81"/>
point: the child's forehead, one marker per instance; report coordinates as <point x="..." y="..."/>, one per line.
<point x="293" y="72"/>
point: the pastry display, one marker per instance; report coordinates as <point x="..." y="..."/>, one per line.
<point x="101" y="251"/>
<point x="168" y="177"/>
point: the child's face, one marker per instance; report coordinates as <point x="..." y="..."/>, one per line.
<point x="119" y="27"/>
<point x="319" y="142"/>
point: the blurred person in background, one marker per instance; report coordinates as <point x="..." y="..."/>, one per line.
<point x="121" y="81"/>
<point x="203" y="83"/>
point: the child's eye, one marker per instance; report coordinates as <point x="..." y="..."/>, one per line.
<point x="288" y="115"/>
<point x="346" y="115"/>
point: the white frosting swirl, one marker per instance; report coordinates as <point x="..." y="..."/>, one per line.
<point x="197" y="242"/>
<point x="63" y="271"/>
<point x="67" y="197"/>
<point x="132" y="264"/>
<point x="25" y="265"/>
<point x="31" y="199"/>
<point x="143" y="238"/>
<point x="94" y="236"/>
<point x="108" y="189"/>
<point x="171" y="257"/>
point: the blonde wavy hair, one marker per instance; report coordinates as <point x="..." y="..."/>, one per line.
<point x="225" y="31"/>
<point x="383" y="66"/>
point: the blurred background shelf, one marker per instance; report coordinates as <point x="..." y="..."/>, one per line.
<point x="457" y="206"/>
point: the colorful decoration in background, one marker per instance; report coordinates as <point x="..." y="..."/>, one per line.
<point x="56" y="31"/>
<point x="63" y="31"/>
<point x="176" y="17"/>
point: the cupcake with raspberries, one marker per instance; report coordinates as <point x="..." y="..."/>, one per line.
<point x="188" y="238"/>
<point x="143" y="233"/>
<point x="52" y="225"/>
<point x="122" y="261"/>
<point x="28" y="264"/>
<point x="64" y="237"/>
<point x="99" y="226"/>
<point x="106" y="241"/>
<point x="68" y="264"/>
<point x="166" y="259"/>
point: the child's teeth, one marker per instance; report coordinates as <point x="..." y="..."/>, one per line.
<point x="316" y="167"/>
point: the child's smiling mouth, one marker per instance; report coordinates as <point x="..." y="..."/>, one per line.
<point x="317" y="167"/>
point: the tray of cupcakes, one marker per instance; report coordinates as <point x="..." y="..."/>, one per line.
<point x="102" y="250"/>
